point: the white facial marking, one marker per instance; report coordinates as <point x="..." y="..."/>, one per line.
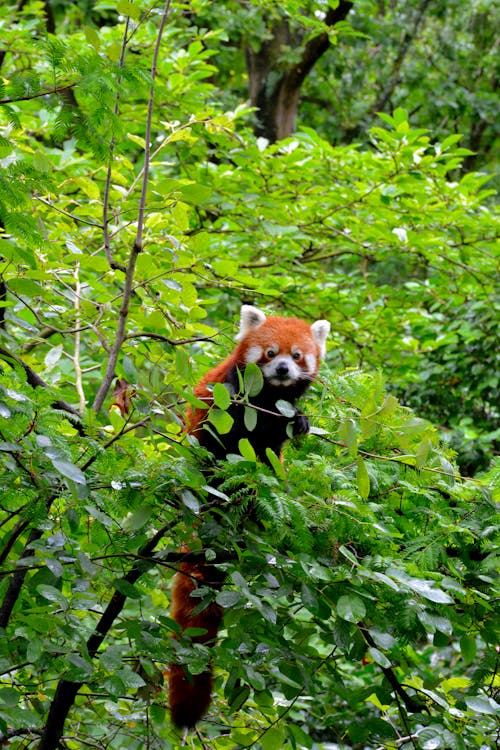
<point x="253" y="354"/>
<point x="282" y="370"/>
<point x="311" y="363"/>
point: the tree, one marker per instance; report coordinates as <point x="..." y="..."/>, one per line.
<point x="138" y="213"/>
<point x="337" y="66"/>
<point x="274" y="82"/>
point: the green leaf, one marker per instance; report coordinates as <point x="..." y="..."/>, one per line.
<point x="69" y="470"/>
<point x="273" y="738"/>
<point x="190" y="501"/>
<point x="253" y="380"/>
<point x="111" y="658"/>
<point x="422" y="453"/>
<point x="483" y="705"/>
<point x="222" y="397"/>
<point x="455" y="683"/>
<point x="129" y="678"/>
<point x="52" y="595"/>
<point x="379" y="657"/>
<point x="140" y="517"/>
<point x="246" y="450"/>
<point x="9" y="697"/>
<point x="285" y="408"/>
<point x="127" y="589"/>
<point x="275" y="463"/>
<point x="299" y="737"/>
<point x="128" y="8"/>
<point x="228" y="598"/>
<point x="250" y="416"/>
<point x="468" y="647"/>
<point x="363" y="478"/>
<point x="348" y="435"/>
<point x="79" y="667"/>
<point x="53" y="356"/>
<point x="221" y="420"/>
<point x="351" y="608"/>
<point x="114" y="686"/>
<point x="255" y="679"/>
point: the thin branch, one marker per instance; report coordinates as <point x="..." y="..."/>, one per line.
<point x="166" y="339"/>
<point x="16" y="532"/>
<point x="105" y="208"/>
<point x="116" y="437"/>
<point x="76" y="353"/>
<point x="66" y="213"/>
<point x="411" y="704"/>
<point x="137" y="246"/>
<point x="149" y="121"/>
<point x="27" y="98"/>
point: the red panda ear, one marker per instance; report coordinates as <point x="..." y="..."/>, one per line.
<point x="250" y="317"/>
<point x="320" y="330"/>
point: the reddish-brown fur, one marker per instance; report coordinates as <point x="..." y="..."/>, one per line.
<point x="189" y="696"/>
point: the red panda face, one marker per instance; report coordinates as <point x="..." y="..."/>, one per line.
<point x="287" y="350"/>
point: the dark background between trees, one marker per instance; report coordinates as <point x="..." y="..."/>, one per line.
<point x="160" y="165"/>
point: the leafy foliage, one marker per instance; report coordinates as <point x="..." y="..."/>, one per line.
<point x="360" y="594"/>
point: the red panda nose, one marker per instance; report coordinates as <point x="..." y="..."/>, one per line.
<point x="282" y="369"/>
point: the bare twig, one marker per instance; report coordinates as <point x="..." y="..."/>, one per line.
<point x="105" y="208"/>
<point x="76" y="353"/>
<point x="27" y="98"/>
<point x="128" y="428"/>
<point x="166" y="339"/>
<point x="137" y="246"/>
<point x="75" y="218"/>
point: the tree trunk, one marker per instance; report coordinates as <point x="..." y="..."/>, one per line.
<point x="275" y="89"/>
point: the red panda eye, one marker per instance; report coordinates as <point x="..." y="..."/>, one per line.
<point x="270" y="354"/>
<point x="297" y="356"/>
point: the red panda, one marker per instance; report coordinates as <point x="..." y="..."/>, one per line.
<point x="288" y="352"/>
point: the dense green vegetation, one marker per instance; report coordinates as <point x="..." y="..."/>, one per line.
<point x="140" y="206"/>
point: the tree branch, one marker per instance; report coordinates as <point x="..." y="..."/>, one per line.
<point x="67" y="690"/>
<point x="137" y="246"/>
<point x="410" y="703"/>
<point x="17" y="580"/>
<point x="317" y="46"/>
<point x="29" y="97"/>
<point x="105" y="208"/>
<point x="166" y="339"/>
<point x="37" y="382"/>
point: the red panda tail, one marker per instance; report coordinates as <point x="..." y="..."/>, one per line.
<point x="189" y="698"/>
<point x="189" y="695"/>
